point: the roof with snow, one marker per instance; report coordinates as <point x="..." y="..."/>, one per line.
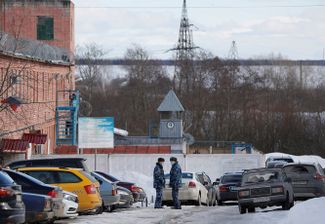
<point x="171" y="103"/>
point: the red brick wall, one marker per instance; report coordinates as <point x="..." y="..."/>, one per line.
<point x="37" y="86"/>
<point x="20" y="20"/>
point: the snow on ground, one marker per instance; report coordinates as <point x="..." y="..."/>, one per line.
<point x="311" y="211"/>
<point x="301" y="159"/>
<point x="228" y="214"/>
<point x="306" y="212"/>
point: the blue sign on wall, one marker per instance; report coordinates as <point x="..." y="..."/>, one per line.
<point x="96" y="132"/>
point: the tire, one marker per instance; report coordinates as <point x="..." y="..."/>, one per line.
<point x="199" y="202"/>
<point x="251" y="210"/>
<point x="286" y="205"/>
<point x="242" y="209"/>
<point x="219" y="202"/>
<point x="100" y="210"/>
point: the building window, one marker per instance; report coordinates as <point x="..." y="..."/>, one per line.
<point x="45" y="28"/>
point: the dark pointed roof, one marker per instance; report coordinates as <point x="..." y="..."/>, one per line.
<point x="171" y="103"/>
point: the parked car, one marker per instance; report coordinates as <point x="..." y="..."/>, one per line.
<point x="212" y="191"/>
<point x="227" y="187"/>
<point x="192" y="190"/>
<point x="78" y="163"/>
<point x="308" y="180"/>
<point x="108" y="192"/>
<point x="71" y="205"/>
<point x="139" y="194"/>
<point x="12" y="208"/>
<point x="126" y="198"/>
<point x="285" y="159"/>
<point x="76" y="181"/>
<point x="265" y="187"/>
<point x="39" y="208"/>
<point x="34" y="186"/>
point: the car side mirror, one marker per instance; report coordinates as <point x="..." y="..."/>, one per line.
<point x="215" y="183"/>
<point x="206" y="183"/>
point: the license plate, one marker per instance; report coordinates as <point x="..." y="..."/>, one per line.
<point x="299" y="182"/>
<point x="18" y="198"/>
<point x="233" y="188"/>
<point x="259" y="200"/>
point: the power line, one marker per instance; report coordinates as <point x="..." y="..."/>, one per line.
<point x="201" y="7"/>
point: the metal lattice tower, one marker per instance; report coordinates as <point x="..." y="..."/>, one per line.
<point x="185" y="45"/>
<point x="233" y="52"/>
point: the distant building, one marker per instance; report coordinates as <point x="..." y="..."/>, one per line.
<point x="36" y="73"/>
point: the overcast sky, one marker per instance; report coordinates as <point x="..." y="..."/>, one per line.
<point x="260" y="27"/>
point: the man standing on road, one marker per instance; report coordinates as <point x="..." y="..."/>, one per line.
<point x="159" y="182"/>
<point x="175" y="181"/>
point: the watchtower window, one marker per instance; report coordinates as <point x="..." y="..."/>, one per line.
<point x="45" y="28"/>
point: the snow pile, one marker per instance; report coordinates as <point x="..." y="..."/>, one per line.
<point x="301" y="159"/>
<point x="139" y="179"/>
<point x="311" y="211"/>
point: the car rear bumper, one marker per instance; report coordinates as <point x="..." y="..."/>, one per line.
<point x="273" y="201"/>
<point x="12" y="216"/>
<point x="111" y="200"/>
<point x="139" y="197"/>
<point x="228" y="196"/>
<point x="308" y="192"/>
<point x="190" y="194"/>
<point x="32" y="216"/>
<point x="125" y="200"/>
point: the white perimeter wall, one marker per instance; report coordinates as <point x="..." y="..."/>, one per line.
<point x="213" y="165"/>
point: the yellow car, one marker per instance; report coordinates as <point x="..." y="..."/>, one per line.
<point x="76" y="181"/>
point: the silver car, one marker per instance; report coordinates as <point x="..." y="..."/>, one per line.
<point x="108" y="192"/>
<point x="308" y="180"/>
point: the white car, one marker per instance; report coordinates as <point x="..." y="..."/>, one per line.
<point x="192" y="190"/>
<point x="70" y="206"/>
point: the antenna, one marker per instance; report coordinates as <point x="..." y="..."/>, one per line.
<point x="233" y="52"/>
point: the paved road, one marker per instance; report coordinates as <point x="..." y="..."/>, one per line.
<point x="204" y="215"/>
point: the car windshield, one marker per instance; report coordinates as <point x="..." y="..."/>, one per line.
<point x="5" y="180"/>
<point x="260" y="177"/>
<point x="231" y="179"/>
<point x="299" y="170"/>
<point x="184" y="176"/>
<point x="91" y="178"/>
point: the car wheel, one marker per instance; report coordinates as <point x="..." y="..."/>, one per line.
<point x="219" y="202"/>
<point x="100" y="210"/>
<point x="199" y="202"/>
<point x="251" y="209"/>
<point x="242" y="209"/>
<point x="286" y="205"/>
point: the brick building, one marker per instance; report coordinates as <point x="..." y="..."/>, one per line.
<point x="36" y="63"/>
<point x="49" y="21"/>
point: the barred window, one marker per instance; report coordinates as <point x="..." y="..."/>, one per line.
<point x="45" y="28"/>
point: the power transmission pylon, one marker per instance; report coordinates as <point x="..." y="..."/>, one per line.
<point x="233" y="52"/>
<point x="184" y="49"/>
<point x="185" y="45"/>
